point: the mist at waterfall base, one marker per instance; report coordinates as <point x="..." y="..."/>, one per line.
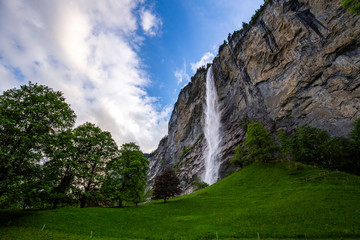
<point x="212" y="130"/>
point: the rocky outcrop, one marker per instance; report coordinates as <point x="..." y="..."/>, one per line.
<point x="298" y="64"/>
<point x="184" y="145"/>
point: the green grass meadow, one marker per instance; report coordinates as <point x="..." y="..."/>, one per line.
<point x="279" y="201"/>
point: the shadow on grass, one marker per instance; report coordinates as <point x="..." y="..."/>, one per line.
<point x="11" y="217"/>
<point x="168" y="202"/>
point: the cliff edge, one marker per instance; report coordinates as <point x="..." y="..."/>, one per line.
<point x="298" y="63"/>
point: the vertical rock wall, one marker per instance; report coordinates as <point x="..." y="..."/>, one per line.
<point x="298" y="64"/>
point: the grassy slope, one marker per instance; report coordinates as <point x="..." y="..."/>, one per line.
<point x="258" y="199"/>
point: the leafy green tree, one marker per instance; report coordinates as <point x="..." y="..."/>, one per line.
<point x="126" y="175"/>
<point x="355" y="153"/>
<point x="59" y="170"/>
<point x="30" y="117"/>
<point x="259" y="146"/>
<point x="352" y="5"/>
<point x="309" y="145"/>
<point x="240" y="157"/>
<point x="314" y="146"/>
<point x="166" y="185"/>
<point x="342" y="155"/>
<point x="94" y="150"/>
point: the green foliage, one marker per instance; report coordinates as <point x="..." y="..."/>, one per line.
<point x="355" y="133"/>
<point x="240" y="157"/>
<point x="343" y="155"/>
<point x="198" y="184"/>
<point x="30" y="118"/>
<point x="260" y="143"/>
<point x="166" y="185"/>
<point x="94" y="150"/>
<point x="253" y="20"/>
<point x="259" y="146"/>
<point x="222" y="46"/>
<point x="314" y="146"/>
<point x="44" y="163"/>
<point x="269" y="199"/>
<point x="285" y="143"/>
<point x="352" y="5"/>
<point x="185" y="151"/>
<point x="126" y="175"/>
<point x="309" y="145"/>
<point x="189" y="149"/>
<point x="60" y="169"/>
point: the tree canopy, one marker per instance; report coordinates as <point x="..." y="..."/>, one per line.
<point x="30" y="118"/>
<point x="314" y="146"/>
<point x="259" y="146"/>
<point x="166" y="185"/>
<point x="126" y="175"/>
<point x="94" y="150"/>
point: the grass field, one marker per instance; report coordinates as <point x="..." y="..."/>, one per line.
<point x="261" y="201"/>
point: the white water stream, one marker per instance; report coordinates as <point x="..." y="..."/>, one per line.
<point x="212" y="130"/>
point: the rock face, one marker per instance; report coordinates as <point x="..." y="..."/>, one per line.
<point x="299" y="63"/>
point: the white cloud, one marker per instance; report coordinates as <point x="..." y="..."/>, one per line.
<point x="87" y="50"/>
<point x="181" y="75"/>
<point x="206" y="58"/>
<point x="150" y="23"/>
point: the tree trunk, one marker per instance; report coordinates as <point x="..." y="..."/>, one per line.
<point x="82" y="202"/>
<point x="55" y="204"/>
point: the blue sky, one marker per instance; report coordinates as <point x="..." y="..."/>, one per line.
<point x="190" y="29"/>
<point x="120" y="64"/>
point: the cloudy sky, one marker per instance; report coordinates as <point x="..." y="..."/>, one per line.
<point x="119" y="63"/>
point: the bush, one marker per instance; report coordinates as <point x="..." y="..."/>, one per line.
<point x="197" y="184"/>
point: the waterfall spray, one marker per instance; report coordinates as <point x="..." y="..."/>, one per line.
<point x="212" y="130"/>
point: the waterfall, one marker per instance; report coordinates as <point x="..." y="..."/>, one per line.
<point x="212" y="130"/>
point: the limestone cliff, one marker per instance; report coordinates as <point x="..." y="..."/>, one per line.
<point x="299" y="63"/>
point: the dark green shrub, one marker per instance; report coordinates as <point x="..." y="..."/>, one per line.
<point x="198" y="184"/>
<point x="309" y="145"/>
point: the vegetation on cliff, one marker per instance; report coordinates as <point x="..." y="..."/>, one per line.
<point x="259" y="146"/>
<point x="352" y="5"/>
<point x="314" y="146"/>
<point x="307" y="145"/>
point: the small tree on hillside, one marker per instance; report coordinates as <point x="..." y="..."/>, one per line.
<point x="259" y="146"/>
<point x="309" y="145"/>
<point x="166" y="185"/>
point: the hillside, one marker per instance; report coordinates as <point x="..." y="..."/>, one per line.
<point x="297" y="63"/>
<point x="284" y="200"/>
